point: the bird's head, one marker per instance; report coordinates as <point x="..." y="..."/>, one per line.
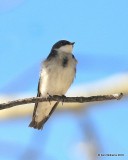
<point x="63" y="46"/>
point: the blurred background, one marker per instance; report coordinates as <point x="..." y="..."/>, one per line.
<point x="28" y="29"/>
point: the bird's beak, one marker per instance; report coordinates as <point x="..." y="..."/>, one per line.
<point x="73" y="43"/>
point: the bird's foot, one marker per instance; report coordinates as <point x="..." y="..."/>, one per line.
<point x="49" y="98"/>
<point x="63" y="98"/>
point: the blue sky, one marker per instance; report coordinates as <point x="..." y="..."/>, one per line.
<point x="29" y="28"/>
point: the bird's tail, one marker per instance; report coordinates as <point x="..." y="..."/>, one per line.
<point x="46" y="110"/>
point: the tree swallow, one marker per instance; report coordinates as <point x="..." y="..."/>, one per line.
<point x="57" y="74"/>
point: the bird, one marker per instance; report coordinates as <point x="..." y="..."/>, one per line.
<point x="57" y="74"/>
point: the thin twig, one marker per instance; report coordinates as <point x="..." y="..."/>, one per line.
<point x="61" y="99"/>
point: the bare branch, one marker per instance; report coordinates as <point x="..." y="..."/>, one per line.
<point x="61" y="99"/>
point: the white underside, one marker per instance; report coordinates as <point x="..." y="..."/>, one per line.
<point x="55" y="80"/>
<point x="43" y="110"/>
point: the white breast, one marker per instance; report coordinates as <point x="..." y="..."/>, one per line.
<point x="56" y="79"/>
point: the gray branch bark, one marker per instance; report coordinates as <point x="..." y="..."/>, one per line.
<point x="61" y="99"/>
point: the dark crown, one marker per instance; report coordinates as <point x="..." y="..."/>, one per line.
<point x="61" y="43"/>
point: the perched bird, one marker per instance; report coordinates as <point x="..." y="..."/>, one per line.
<point x="57" y="74"/>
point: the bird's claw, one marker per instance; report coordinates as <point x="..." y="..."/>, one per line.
<point x="49" y="97"/>
<point x="63" y="98"/>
